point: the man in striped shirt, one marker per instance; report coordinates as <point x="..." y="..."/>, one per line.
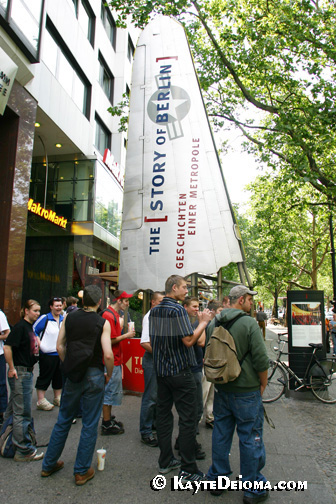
<point x="172" y="339"/>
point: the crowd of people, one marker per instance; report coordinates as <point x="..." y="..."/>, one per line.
<point x="79" y="355"/>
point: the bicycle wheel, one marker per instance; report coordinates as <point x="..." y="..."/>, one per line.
<point x="322" y="379"/>
<point x="276" y="383"/>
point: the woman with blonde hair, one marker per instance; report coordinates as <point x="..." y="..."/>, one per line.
<point x="21" y="352"/>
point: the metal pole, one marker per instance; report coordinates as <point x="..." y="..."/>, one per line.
<point x="194" y="284"/>
<point x="46" y="177"/>
<point x="220" y="285"/>
<point x="145" y="302"/>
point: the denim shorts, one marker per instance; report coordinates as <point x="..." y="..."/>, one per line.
<point x="113" y="389"/>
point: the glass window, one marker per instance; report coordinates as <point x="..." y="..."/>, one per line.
<point x="23" y="24"/>
<point x="3" y="4"/>
<point x="70" y="188"/>
<point x="79" y="93"/>
<point x="26" y="16"/>
<point x="106" y="79"/>
<point x="86" y="20"/>
<point x="108" y="202"/>
<point x="64" y="191"/>
<point x="65" y="171"/>
<point x="55" y="56"/>
<point x="102" y="136"/>
<point x="74" y="4"/>
<point x="130" y="49"/>
<point x="84" y="169"/>
<point x="65" y="74"/>
<point x="83" y="188"/>
<point x="83" y="211"/>
<point x="50" y="52"/>
<point x="109" y="24"/>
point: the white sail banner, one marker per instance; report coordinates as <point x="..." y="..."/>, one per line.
<point x="176" y="216"/>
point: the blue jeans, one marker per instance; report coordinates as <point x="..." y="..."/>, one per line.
<point x="113" y="389"/>
<point x="244" y="410"/>
<point x="19" y="406"/>
<point x="333" y="335"/>
<point x="91" y="389"/>
<point x="148" y="403"/>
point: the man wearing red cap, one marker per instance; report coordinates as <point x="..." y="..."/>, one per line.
<point x="113" y="389"/>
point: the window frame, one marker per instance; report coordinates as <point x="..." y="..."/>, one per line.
<point x="13" y="30"/>
<point x="108" y="133"/>
<point x="106" y="17"/>
<point x="130" y="49"/>
<point x="87" y="7"/>
<point x="103" y="65"/>
<point x="63" y="48"/>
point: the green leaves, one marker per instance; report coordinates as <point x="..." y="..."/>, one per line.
<point x="268" y="69"/>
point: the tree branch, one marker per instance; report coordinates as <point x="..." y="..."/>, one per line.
<point x="228" y="65"/>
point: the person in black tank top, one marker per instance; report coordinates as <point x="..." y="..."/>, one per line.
<point x="84" y="340"/>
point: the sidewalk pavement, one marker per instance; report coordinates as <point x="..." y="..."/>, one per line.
<point x="300" y="448"/>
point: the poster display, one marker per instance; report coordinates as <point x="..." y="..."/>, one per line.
<point x="306" y="319"/>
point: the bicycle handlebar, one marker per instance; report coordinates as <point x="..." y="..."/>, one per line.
<point x="280" y="340"/>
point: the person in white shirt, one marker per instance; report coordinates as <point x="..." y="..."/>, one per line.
<point x="148" y="402"/>
<point x="4" y="331"/>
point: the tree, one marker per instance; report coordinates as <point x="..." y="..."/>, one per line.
<point x="276" y="58"/>
<point x="286" y="235"/>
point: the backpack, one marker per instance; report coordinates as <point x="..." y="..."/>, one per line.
<point x="7" y="449"/>
<point x="221" y="364"/>
<point x="110" y="311"/>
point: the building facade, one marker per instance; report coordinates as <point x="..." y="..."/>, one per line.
<point x="61" y="176"/>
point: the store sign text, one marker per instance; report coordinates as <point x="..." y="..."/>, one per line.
<point x="48" y="215"/>
<point x="113" y="166"/>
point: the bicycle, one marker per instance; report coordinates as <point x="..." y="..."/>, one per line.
<point x="319" y="377"/>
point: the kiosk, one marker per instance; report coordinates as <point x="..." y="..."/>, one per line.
<point x="306" y="324"/>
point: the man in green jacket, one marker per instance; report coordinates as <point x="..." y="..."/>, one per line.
<point x="238" y="403"/>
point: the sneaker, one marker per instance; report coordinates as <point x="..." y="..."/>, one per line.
<point x="186" y="476"/>
<point x="173" y="464"/>
<point x="81" y="479"/>
<point x="113" y="419"/>
<point x="112" y="429"/>
<point x="149" y="440"/>
<point x="57" y="467"/>
<point x="18" y="457"/>
<point x="256" y="499"/>
<point x="45" y="405"/>
<point x="57" y="401"/>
